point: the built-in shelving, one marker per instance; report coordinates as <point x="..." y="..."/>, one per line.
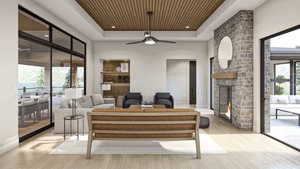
<point x="116" y="77"/>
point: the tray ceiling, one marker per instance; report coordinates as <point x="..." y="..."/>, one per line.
<point x="169" y="15"/>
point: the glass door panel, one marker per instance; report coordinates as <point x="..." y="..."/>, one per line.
<point x="61" y="77"/>
<point x="77" y="72"/>
<point x="33" y="87"/>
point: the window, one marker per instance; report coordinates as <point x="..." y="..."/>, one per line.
<point x="282" y="79"/>
<point x="78" y="46"/>
<point x="77" y="72"/>
<point x="33" y="26"/>
<point x="61" y="38"/>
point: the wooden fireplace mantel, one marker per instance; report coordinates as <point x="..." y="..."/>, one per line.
<point x="226" y="75"/>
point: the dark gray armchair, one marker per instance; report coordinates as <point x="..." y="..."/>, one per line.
<point x="164" y="99"/>
<point x="132" y="99"/>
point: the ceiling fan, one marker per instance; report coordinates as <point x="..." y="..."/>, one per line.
<point x="149" y="39"/>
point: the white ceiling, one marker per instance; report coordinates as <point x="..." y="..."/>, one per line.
<point x="71" y="13"/>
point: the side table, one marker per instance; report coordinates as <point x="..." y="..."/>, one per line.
<point x="72" y="118"/>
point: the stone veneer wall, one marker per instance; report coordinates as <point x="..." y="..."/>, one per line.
<point x="268" y="84"/>
<point x="240" y="29"/>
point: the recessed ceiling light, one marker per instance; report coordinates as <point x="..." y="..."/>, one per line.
<point x="46" y="36"/>
<point x="187" y="27"/>
<point x="114" y="27"/>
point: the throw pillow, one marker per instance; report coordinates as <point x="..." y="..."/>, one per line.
<point x="273" y="99"/>
<point x="283" y="99"/>
<point x="97" y="99"/>
<point x="85" y="102"/>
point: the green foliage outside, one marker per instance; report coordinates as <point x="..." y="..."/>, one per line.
<point x="41" y="78"/>
<point x="281" y="85"/>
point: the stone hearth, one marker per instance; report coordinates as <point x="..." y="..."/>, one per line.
<point x="240" y="29"/>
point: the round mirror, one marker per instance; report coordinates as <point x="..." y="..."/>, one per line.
<point x="225" y="52"/>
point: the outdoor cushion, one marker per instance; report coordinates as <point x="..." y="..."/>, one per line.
<point x="283" y="99"/>
<point x="273" y="99"/>
<point x="294" y="99"/>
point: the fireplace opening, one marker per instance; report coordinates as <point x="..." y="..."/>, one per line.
<point x="225" y="102"/>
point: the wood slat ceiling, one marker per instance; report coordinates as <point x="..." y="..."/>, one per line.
<point x="169" y="15"/>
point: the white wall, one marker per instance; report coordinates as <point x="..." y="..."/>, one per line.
<point x="211" y="50"/>
<point x="148" y="65"/>
<point x="211" y="54"/>
<point x="42" y="12"/>
<point x="8" y="72"/>
<point x="178" y="81"/>
<point x="271" y="17"/>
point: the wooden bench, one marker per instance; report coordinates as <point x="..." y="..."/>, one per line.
<point x="147" y="124"/>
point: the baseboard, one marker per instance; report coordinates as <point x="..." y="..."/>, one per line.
<point x="9" y="144"/>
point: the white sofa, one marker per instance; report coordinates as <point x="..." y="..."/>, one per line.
<point x="283" y="101"/>
<point x="85" y="104"/>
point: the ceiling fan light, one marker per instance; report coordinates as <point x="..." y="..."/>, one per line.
<point x="150" y="41"/>
<point x="147" y="34"/>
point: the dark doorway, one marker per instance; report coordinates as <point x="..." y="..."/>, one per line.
<point x="193" y="82"/>
<point x="211" y="94"/>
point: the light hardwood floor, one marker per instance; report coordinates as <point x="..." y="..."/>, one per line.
<point x="245" y="150"/>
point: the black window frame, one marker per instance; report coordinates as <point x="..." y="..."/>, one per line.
<point x="52" y="46"/>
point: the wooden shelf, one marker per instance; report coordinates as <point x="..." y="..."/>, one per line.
<point x="116" y="73"/>
<point x="227" y="75"/>
<point x="120" y="84"/>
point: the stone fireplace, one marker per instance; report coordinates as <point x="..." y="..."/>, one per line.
<point x="233" y="86"/>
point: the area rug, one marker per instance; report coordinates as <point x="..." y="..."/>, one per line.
<point x="74" y="146"/>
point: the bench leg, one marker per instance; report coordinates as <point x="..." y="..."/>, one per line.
<point x="276" y="113"/>
<point x="89" y="146"/>
<point x="197" y="141"/>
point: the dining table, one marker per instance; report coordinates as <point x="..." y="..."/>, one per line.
<point x="31" y="107"/>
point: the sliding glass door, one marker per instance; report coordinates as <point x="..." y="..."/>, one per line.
<point x="33" y="87"/>
<point x="50" y="60"/>
<point x="280" y="87"/>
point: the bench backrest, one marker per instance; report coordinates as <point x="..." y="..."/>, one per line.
<point x="148" y="125"/>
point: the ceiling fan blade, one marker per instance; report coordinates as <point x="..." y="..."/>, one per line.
<point x="162" y="41"/>
<point x="136" y="42"/>
<point x="166" y="41"/>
